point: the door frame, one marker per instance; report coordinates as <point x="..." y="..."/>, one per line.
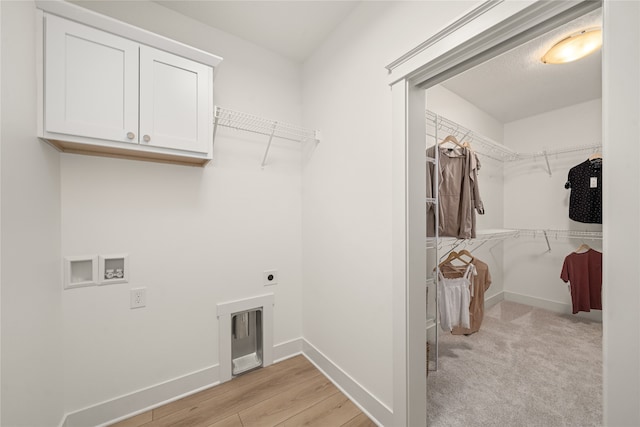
<point x="486" y="31"/>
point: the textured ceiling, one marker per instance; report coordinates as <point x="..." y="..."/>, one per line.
<point x="292" y="28"/>
<point x="517" y="84"/>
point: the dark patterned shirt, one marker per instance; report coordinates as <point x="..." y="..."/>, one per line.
<point x="585" y="202"/>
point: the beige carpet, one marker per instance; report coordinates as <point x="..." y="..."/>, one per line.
<point x="526" y="367"/>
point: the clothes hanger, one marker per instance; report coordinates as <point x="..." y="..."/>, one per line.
<point x="456" y="255"/>
<point x="451" y="139"/>
<point x="467" y="253"/>
<point x="582" y="248"/>
<point x="451" y="257"/>
<point x="595" y="156"/>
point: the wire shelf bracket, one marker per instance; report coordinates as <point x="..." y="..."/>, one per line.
<point x="273" y="129"/>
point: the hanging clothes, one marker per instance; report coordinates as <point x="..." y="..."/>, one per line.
<point x="454" y="297"/>
<point x="458" y="192"/>
<point x="585" y="182"/>
<point x="583" y="271"/>
<point x="480" y="283"/>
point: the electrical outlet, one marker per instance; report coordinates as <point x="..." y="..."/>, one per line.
<point x="270" y="277"/>
<point x="138" y="297"/>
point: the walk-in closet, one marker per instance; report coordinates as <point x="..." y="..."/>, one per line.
<point x="528" y="351"/>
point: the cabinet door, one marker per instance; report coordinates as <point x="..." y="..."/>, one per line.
<point x="91" y="82"/>
<point x="175" y="102"/>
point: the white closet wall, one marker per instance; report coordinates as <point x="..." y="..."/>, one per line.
<point x="442" y="101"/>
<point x="533" y="199"/>
<point x="195" y="237"/>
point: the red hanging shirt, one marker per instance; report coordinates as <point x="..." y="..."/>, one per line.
<point x="584" y="272"/>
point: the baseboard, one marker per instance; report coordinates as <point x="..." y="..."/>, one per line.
<point x="493" y="300"/>
<point x="143" y="400"/>
<point x="554" y="306"/>
<point x="140" y="401"/>
<point x="368" y="403"/>
<point x="287" y="350"/>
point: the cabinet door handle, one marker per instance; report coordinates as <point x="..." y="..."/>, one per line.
<point x="131" y="135"/>
<point x="146" y="138"/>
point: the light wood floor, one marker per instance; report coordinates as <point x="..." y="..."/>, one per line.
<point x="290" y="393"/>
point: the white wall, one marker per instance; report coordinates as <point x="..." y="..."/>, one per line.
<point x="621" y="197"/>
<point x="31" y="267"/>
<point x="533" y="199"/>
<point x="490" y="178"/>
<point x="347" y="198"/>
<point x="0" y="219"/>
<point x="196" y="237"/>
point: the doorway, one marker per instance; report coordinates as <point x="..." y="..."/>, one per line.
<point x="504" y="27"/>
<point x="524" y="356"/>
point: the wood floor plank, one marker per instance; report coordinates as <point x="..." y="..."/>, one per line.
<point x="288" y="403"/>
<point x="136" y="421"/>
<point x="254" y="377"/>
<point x="232" y="421"/>
<point x="237" y="398"/>
<point x="335" y="410"/>
<point x="359" y="421"/>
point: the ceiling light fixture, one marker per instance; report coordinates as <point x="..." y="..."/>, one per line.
<point x="574" y="47"/>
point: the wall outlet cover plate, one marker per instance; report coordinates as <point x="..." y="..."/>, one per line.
<point x="270" y="277"/>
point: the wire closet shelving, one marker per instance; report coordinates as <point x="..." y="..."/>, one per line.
<point x="492" y="149"/>
<point x="438" y="127"/>
<point x="273" y="129"/>
<point x="485" y="236"/>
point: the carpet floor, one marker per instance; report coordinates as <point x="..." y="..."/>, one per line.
<point x="525" y="367"/>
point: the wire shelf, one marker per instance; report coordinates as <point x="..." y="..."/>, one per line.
<point x="252" y="123"/>
<point x="260" y="125"/>
<point x="485" y="236"/>
<point x="490" y="148"/>
<point x="565" y="234"/>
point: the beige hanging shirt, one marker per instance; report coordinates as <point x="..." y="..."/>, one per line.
<point x="459" y="194"/>
<point x="480" y="283"/>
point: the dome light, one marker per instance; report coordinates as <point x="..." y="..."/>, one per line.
<point x="574" y="47"/>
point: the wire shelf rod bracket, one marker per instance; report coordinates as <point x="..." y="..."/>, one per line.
<point x="546" y="237"/>
<point x="546" y="159"/>
<point x="266" y="152"/>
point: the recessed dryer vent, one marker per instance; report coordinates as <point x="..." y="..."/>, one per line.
<point x="245" y="335"/>
<point x="246" y="341"/>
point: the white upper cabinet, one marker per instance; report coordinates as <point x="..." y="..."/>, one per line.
<point x="104" y="93"/>
<point x="91" y="82"/>
<point x="174" y="101"/>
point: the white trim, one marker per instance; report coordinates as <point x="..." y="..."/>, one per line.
<point x="138" y="402"/>
<point x="472" y="15"/>
<point x="119" y="28"/>
<point x="556" y="307"/>
<point x="379" y="413"/>
<point x="493" y="300"/>
<point x="225" y="310"/>
<point x="287" y="349"/>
